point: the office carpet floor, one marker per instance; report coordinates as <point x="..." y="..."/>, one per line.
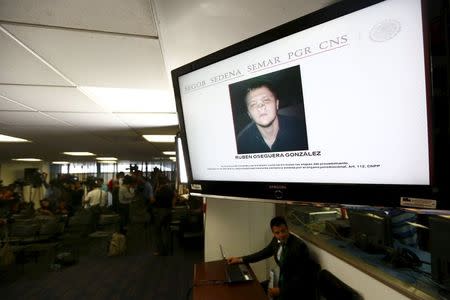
<point x="137" y="275"/>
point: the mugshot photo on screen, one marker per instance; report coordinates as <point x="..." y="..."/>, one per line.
<point x="268" y="113"/>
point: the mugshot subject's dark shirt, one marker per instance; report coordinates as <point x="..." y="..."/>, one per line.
<point x="291" y="137"/>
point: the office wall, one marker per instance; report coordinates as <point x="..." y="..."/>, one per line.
<point x="10" y="172"/>
<point x="241" y="227"/>
<point x="368" y="287"/>
<point x="191" y="29"/>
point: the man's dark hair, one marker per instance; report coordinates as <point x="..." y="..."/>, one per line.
<point x="128" y="179"/>
<point x="278" y="221"/>
<point x="258" y="84"/>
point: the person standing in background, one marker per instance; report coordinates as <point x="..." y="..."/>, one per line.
<point x="96" y="196"/>
<point x="162" y="208"/>
<point x="126" y="195"/>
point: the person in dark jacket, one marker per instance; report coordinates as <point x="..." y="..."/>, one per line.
<point x="291" y="255"/>
<point x="162" y="204"/>
<point x="269" y="131"/>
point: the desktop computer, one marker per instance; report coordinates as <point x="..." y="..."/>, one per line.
<point x="307" y="215"/>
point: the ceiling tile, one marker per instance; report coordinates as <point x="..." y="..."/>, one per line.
<point x="50" y="99"/>
<point x="145" y="120"/>
<point x="95" y="121"/>
<point x="42" y="132"/>
<point x="18" y="65"/>
<point x="94" y="59"/>
<point x="131" y="16"/>
<point x="131" y="100"/>
<point x="6" y="104"/>
<point x="32" y="119"/>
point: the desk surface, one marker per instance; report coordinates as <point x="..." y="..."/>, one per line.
<point x="209" y="283"/>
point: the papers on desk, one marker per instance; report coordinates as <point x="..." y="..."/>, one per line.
<point x="273" y="279"/>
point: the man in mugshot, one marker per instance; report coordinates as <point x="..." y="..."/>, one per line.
<point x="269" y="131"/>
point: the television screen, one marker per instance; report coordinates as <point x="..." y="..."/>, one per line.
<point x="330" y="107"/>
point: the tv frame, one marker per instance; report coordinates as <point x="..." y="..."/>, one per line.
<point x="181" y="163"/>
<point x="340" y="193"/>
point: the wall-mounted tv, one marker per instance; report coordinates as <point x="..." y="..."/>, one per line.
<point x="331" y="107"/>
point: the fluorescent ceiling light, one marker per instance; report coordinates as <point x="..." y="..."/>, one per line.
<point x="27" y="159"/>
<point x="60" y="162"/>
<point x="173" y="158"/>
<point x="11" y="139"/>
<point x="169" y="152"/>
<point x="159" y="138"/>
<point x="130" y="100"/>
<point x="107" y="161"/>
<point x="106" y="158"/>
<point x="79" y="153"/>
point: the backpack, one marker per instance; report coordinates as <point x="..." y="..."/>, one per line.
<point x="6" y="255"/>
<point x="118" y="245"/>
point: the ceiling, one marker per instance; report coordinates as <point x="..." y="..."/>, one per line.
<point x="82" y="76"/>
<point x="92" y="75"/>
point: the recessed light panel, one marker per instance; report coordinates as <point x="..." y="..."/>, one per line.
<point x="160" y="138"/>
<point x="169" y="153"/>
<point x="27" y="159"/>
<point x="79" y="153"/>
<point x="11" y="139"/>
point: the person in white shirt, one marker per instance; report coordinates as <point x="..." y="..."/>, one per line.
<point x="96" y="196"/>
<point x="126" y="196"/>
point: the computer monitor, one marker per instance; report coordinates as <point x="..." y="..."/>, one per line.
<point x="352" y="87"/>
<point x="371" y="230"/>
<point x="440" y="249"/>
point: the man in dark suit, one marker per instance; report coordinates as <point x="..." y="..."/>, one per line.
<point x="292" y="256"/>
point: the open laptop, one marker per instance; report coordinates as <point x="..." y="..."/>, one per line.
<point x="237" y="272"/>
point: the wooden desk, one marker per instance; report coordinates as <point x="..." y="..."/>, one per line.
<point x="209" y="284"/>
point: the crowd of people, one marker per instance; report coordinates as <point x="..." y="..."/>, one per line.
<point x="67" y="195"/>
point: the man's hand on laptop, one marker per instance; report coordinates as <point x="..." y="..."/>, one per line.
<point x="234" y="260"/>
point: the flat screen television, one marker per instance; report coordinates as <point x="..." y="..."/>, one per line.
<point x="331" y="107"/>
